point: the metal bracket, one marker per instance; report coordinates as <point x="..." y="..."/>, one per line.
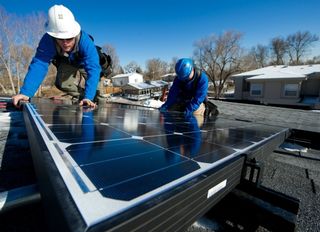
<point x="252" y="172"/>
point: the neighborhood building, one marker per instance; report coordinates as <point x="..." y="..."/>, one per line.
<point x="280" y="85"/>
<point x="169" y="77"/>
<point x="124" y="79"/>
<point x="144" y="90"/>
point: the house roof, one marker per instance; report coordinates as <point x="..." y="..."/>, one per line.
<point x="280" y="72"/>
<point x="126" y="75"/>
<point x="158" y="83"/>
<point x="141" y="85"/>
<point x="144" y="85"/>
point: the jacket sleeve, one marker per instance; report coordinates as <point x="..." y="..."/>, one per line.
<point x="200" y="94"/>
<point x="173" y="93"/>
<point x="38" y="67"/>
<point x="91" y="65"/>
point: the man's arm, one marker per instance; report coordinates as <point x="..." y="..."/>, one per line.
<point x="37" y="70"/>
<point x="39" y="66"/>
<point x="173" y="94"/>
<point x="200" y="94"/>
<point x="91" y="65"/>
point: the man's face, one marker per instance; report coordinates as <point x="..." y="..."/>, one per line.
<point x="66" y="44"/>
<point x="191" y="74"/>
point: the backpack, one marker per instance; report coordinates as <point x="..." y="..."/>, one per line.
<point x="105" y="62"/>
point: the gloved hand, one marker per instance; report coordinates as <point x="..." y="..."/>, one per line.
<point x="163" y="108"/>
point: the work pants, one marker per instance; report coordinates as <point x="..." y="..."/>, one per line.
<point x="71" y="80"/>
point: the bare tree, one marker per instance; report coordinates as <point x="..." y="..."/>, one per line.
<point x="314" y="60"/>
<point x="248" y="62"/>
<point x="279" y="49"/>
<point x="155" y="69"/>
<point x="111" y="51"/>
<point x="220" y="57"/>
<point x="132" y="67"/>
<point x="299" y="44"/>
<point x="7" y="32"/>
<point x="18" y="38"/>
<point x="171" y="66"/>
<point x="260" y="55"/>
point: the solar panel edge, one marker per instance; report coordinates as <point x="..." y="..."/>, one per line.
<point x="152" y="215"/>
<point x="55" y="206"/>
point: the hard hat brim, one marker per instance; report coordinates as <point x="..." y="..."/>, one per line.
<point x="73" y="32"/>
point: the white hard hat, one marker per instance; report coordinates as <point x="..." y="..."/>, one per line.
<point x="61" y="23"/>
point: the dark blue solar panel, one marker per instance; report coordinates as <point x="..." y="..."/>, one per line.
<point x="140" y="185"/>
<point x="87" y="133"/>
<point x="190" y="146"/>
<point x="111" y="150"/>
<point x="125" y="169"/>
<point x="128" y="151"/>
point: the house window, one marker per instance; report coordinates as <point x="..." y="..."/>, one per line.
<point x="246" y="86"/>
<point x="256" y="90"/>
<point x="291" y="90"/>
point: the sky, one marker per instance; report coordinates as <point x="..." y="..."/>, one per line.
<point x="144" y="29"/>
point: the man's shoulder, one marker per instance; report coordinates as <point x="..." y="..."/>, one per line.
<point x="85" y="41"/>
<point x="85" y="37"/>
<point x="204" y="77"/>
<point x="46" y="38"/>
<point x="46" y="43"/>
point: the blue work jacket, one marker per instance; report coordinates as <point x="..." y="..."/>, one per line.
<point x="191" y="93"/>
<point x="46" y="52"/>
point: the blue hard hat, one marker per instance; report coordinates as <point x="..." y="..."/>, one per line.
<point x="183" y="68"/>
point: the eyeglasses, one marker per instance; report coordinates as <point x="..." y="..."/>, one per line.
<point x="68" y="40"/>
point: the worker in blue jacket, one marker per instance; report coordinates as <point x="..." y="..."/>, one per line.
<point x="188" y="91"/>
<point x="71" y="50"/>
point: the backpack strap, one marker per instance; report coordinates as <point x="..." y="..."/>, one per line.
<point x="197" y="74"/>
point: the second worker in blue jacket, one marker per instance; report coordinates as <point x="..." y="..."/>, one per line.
<point x="188" y="91"/>
<point x="71" y="50"/>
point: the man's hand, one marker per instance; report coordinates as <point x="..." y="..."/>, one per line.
<point x="87" y="102"/>
<point x="17" y="98"/>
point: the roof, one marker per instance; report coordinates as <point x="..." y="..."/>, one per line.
<point x="140" y="85"/>
<point x="144" y="85"/>
<point x="280" y="72"/>
<point x="125" y="75"/>
<point x="158" y="83"/>
<point x="169" y="75"/>
<point x="298" y="119"/>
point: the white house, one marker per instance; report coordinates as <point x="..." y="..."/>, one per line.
<point x="143" y="90"/>
<point x="280" y="84"/>
<point x="124" y="79"/>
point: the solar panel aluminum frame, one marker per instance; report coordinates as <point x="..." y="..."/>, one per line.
<point x="177" y="210"/>
<point x="67" y="201"/>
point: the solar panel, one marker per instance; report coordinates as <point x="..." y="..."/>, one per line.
<point x="117" y="162"/>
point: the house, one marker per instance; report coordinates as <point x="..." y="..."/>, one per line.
<point x="124" y="79"/>
<point x="169" y="77"/>
<point x="280" y="85"/>
<point x="144" y="90"/>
